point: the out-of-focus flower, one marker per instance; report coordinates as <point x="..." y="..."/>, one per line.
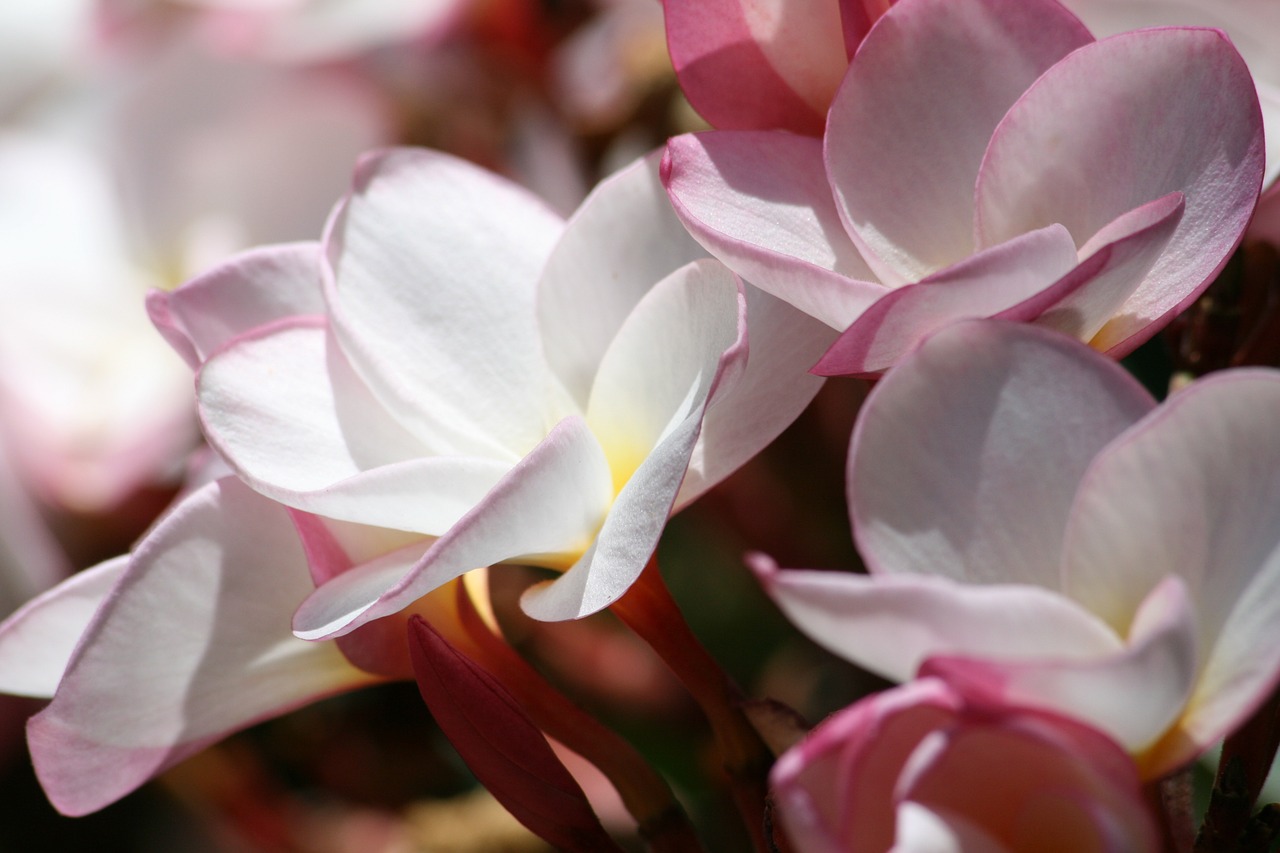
<point x="988" y="158"/>
<point x="294" y="31"/>
<point x="168" y="164"/>
<point x="431" y="388"/>
<point x="920" y="768"/>
<point x="1037" y="529"/>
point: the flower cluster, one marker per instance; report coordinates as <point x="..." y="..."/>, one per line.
<point x="976" y="206"/>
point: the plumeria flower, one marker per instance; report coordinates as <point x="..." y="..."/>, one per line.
<point x="989" y="158"/>
<point x="1037" y="529"/>
<point x="921" y="768"/>
<point x="433" y="389"/>
<point x="93" y="404"/>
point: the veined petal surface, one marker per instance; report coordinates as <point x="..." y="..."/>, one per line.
<point x="950" y="471"/>
<point x="193" y="644"/>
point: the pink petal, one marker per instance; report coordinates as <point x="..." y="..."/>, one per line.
<point x="434" y="265"/>
<point x="890" y="624"/>
<point x="287" y="410"/>
<point x="761" y="203"/>
<point x="1028" y="272"/>
<point x="37" y="641"/>
<point x="1194" y="491"/>
<point x="615" y="248"/>
<point x="950" y="472"/>
<point x="775" y="388"/>
<point x="1128" y="120"/>
<point x="193" y="644"/>
<point x="910" y="124"/>
<point x="247" y="291"/>
<point x="1134" y="696"/>
<point x="757" y="65"/>
<point x="546" y="510"/>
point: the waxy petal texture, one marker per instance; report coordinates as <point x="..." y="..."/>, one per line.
<point x="150" y="685"/>
<point x="460" y="365"/>
<point x="906" y="138"/>
<point x="755" y="65"/>
<point x="1166" y="131"/>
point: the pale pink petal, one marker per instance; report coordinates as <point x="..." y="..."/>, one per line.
<point x="910" y="124"/>
<point x="284" y="407"/>
<point x="782" y="343"/>
<point x="949" y="470"/>
<point x="37" y="641"/>
<point x="545" y="511"/>
<point x="756" y="65"/>
<point x="1027" y="273"/>
<point x="193" y="644"/>
<point x="1128" y="120"/>
<point x="249" y="290"/>
<point x="432" y="300"/>
<point x="1123" y="252"/>
<point x="621" y="241"/>
<point x="761" y="203"/>
<point x="892" y="623"/>
<point x="1134" y="696"/>
<point x="1194" y="491"/>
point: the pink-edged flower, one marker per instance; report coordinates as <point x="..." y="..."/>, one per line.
<point x="921" y="768"/>
<point x="1037" y="529"/>
<point x="458" y="364"/>
<point x="989" y="158"/>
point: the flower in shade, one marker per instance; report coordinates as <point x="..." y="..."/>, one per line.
<point x="921" y="767"/>
<point x="989" y="158"/>
<point x="1039" y="531"/>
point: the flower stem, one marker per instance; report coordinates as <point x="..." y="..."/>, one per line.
<point x="649" y="610"/>
<point x="660" y="818"/>
<point x="1246" y="760"/>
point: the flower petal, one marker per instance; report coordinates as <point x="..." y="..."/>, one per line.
<point x="683" y="346"/>
<point x="1194" y="491"/>
<point x="247" y="291"/>
<point x="546" y="510"/>
<point x="950" y="472"/>
<point x="193" y="644"/>
<point x="1134" y="696"/>
<point x="910" y="124"/>
<point x="890" y="624"/>
<point x="284" y="407"/>
<point x="757" y="65"/>
<point x="774" y="389"/>
<point x="1128" y="120"/>
<point x="620" y="242"/>
<point x="37" y="641"/>
<point x="432" y="298"/>
<point x="761" y="203"/>
<point x="1022" y="273"/>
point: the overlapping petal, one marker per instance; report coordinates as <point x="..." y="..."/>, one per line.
<point x="150" y="685"/>
<point x="981" y="494"/>
<point x="1165" y="131"/>
<point x="761" y="203"/>
<point x="905" y="139"/>
<point x="446" y="340"/>
<point x="748" y="65"/>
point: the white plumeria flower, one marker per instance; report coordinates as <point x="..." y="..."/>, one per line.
<point x="1038" y="530"/>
